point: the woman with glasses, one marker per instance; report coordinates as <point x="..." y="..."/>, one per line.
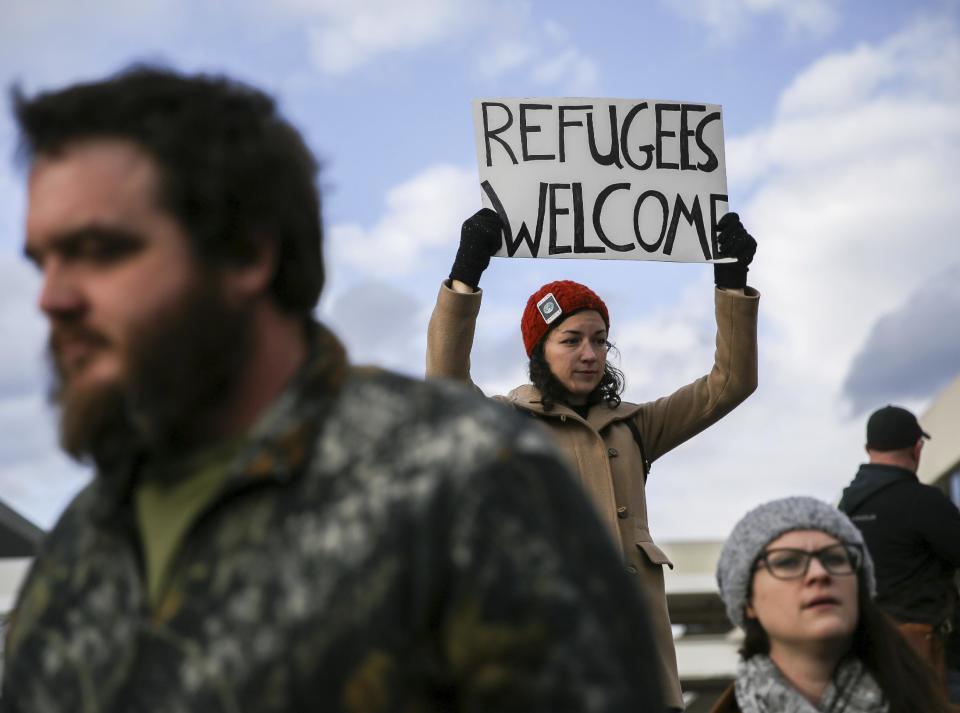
<point x="576" y="392"/>
<point x="795" y="576"/>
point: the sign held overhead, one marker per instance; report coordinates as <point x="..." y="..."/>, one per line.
<point x="622" y="179"/>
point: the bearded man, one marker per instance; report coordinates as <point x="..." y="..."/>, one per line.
<point x="270" y="529"/>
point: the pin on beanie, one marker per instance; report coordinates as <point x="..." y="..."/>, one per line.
<point x="554" y="301"/>
<point x="766" y="523"/>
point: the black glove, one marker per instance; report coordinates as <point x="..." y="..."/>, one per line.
<point x="480" y="238"/>
<point x="733" y="240"/>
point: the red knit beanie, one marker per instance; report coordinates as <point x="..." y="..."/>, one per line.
<point x="547" y="305"/>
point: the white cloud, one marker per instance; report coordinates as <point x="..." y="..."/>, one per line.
<point x="813" y="16"/>
<point x="577" y="73"/>
<point x="888" y="100"/>
<point x="339" y="37"/>
<point x="855" y="202"/>
<point x="346" y="34"/>
<point x="380" y="323"/>
<point x="545" y="52"/>
<point x="917" y="65"/>
<point x="505" y="56"/>
<point x="727" y="19"/>
<point x="421" y="214"/>
<point x="563" y="63"/>
<point x="852" y="197"/>
<point x="789" y="438"/>
<point x="42" y="480"/>
<point x="680" y="351"/>
<point x="839" y="81"/>
<point x="883" y="126"/>
<point x="22" y="367"/>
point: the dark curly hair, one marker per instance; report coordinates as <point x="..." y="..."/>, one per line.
<point x="552" y="392"/>
<point x="232" y="170"/>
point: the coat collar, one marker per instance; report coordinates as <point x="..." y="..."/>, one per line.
<point x="881" y="470"/>
<point x="528" y="398"/>
<point x="278" y="445"/>
<point x="280" y="442"/>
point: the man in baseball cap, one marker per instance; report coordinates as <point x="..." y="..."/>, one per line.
<point x="912" y="531"/>
<point x="893" y="428"/>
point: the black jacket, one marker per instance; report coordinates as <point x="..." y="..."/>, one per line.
<point x="913" y="533"/>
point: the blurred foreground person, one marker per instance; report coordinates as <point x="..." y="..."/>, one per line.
<point x="795" y="576"/>
<point x="912" y="530"/>
<point x="575" y="393"/>
<point x="270" y="529"/>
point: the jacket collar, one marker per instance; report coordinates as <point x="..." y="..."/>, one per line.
<point x="279" y="443"/>
<point x="870" y="480"/>
<point x="879" y="470"/>
<point x="528" y="398"/>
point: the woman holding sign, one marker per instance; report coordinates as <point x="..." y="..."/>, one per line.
<point x="576" y="393"/>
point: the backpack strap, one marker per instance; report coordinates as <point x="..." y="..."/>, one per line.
<point x="643" y="451"/>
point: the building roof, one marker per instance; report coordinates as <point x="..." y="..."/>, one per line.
<point x="18" y="536"/>
<point x="12" y="572"/>
<point x="941" y="454"/>
<point x="706" y="641"/>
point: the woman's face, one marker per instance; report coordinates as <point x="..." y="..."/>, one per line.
<point x="817" y="608"/>
<point x="576" y="352"/>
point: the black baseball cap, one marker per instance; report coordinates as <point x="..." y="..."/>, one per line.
<point x="892" y="428"/>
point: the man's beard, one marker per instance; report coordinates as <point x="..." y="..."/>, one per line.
<point x="180" y="370"/>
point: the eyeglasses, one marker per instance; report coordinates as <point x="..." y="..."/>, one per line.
<point x="788" y="563"/>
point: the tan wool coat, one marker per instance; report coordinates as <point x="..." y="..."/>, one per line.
<point x="602" y="450"/>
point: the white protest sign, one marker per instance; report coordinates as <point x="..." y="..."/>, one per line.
<point x="626" y="179"/>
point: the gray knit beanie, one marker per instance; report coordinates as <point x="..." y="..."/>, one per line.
<point x="767" y="522"/>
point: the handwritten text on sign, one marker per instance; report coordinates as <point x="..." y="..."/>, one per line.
<point x="603" y="178"/>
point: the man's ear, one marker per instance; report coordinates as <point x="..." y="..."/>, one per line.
<point x="251" y="278"/>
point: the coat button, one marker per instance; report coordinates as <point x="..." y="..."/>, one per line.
<point x="563" y="419"/>
<point x="622" y="512"/>
<point x="631" y="569"/>
<point x="612" y="452"/>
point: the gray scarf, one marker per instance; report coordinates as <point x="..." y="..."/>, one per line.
<point x="761" y="688"/>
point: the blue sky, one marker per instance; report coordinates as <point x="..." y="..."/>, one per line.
<point x="842" y="122"/>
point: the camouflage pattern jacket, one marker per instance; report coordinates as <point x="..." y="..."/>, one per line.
<point x="379" y="545"/>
